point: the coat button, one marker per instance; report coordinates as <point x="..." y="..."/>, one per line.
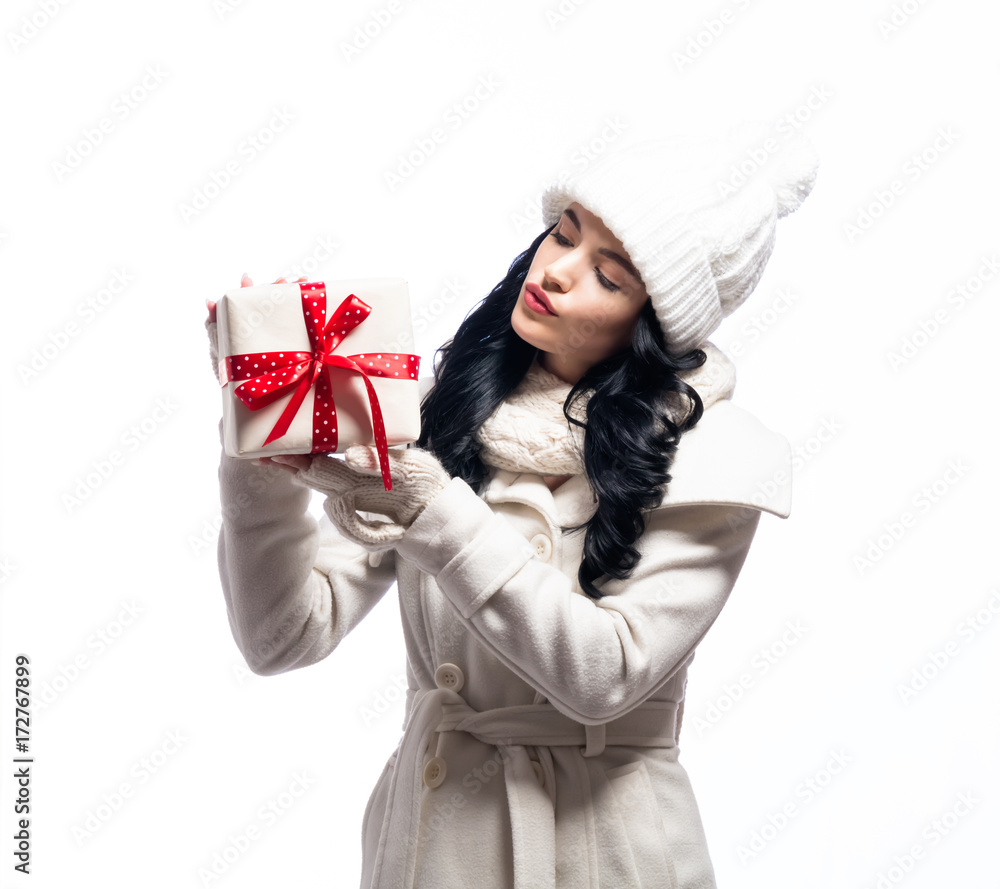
<point x="539" y="772"/>
<point x="543" y="546"/>
<point x="449" y="676"/>
<point x="434" y="772"/>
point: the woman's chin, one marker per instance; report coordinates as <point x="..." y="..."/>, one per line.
<point x="521" y="325"/>
<point x="527" y="325"/>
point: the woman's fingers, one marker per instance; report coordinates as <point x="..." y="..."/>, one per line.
<point x="323" y="473"/>
<point x="246" y="282"/>
<point x="289" y="462"/>
<point x="266" y="461"/>
<point x="330" y="475"/>
<point x="270" y="461"/>
<point x="296" y="461"/>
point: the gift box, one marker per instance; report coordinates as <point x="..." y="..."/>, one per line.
<point x="315" y="367"/>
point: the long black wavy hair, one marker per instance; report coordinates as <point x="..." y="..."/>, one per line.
<point x="631" y="432"/>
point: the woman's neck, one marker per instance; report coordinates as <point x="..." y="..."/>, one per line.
<point x="567" y="370"/>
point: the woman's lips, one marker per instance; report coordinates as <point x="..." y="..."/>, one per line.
<point x="535" y="299"/>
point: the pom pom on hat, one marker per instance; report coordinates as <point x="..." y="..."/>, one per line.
<point x="790" y="170"/>
<point x="697" y="216"/>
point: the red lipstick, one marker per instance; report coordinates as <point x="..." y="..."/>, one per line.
<point x="535" y="299"/>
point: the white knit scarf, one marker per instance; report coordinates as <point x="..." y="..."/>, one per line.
<point x="528" y="432"/>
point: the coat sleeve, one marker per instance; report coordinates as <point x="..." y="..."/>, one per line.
<point x="294" y="587"/>
<point x="593" y="659"/>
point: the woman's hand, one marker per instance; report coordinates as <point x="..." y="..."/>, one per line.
<point x="213" y="338"/>
<point x="295" y="461"/>
<point x="355" y="483"/>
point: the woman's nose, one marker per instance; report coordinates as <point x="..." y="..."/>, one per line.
<point x="557" y="275"/>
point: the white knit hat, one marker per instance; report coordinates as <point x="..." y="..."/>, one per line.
<point x="697" y="216"/>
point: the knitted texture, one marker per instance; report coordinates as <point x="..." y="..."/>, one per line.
<point x="212" y="329"/>
<point x="529" y="433"/>
<point x="696" y="216"/>
<point x="356" y="494"/>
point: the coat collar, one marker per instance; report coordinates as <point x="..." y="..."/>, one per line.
<point x="572" y="503"/>
<point x="729" y="458"/>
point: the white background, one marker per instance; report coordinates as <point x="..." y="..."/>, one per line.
<point x="813" y="346"/>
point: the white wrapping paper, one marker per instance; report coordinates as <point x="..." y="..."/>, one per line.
<point x="268" y="318"/>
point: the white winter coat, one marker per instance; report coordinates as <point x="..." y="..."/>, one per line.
<point x="539" y="748"/>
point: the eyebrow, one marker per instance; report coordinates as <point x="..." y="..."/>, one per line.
<point x="604" y="251"/>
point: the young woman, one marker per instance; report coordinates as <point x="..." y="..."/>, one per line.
<point x="565" y="531"/>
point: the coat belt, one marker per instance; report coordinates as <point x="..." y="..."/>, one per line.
<point x="532" y="807"/>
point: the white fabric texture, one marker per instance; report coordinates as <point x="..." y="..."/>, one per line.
<point x="356" y="499"/>
<point x="696" y="215"/>
<point x="556" y="760"/>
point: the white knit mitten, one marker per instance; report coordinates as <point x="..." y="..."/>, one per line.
<point x="355" y="483"/>
<point x="213" y="345"/>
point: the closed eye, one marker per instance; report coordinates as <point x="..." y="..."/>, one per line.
<point x="563" y="241"/>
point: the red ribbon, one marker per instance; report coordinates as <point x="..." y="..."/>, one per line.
<point x="303" y="370"/>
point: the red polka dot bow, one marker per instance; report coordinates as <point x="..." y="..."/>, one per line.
<point x="269" y="376"/>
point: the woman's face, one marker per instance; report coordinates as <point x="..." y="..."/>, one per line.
<point x="593" y="292"/>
